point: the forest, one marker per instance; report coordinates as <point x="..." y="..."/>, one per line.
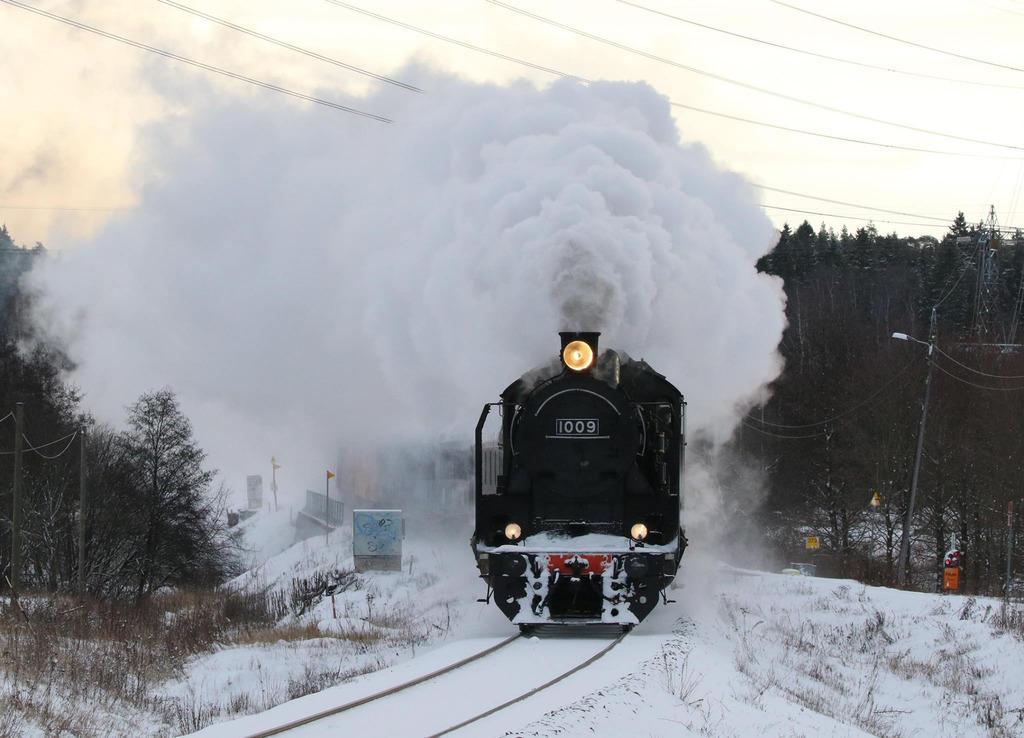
<point x="841" y="423"/>
<point x="153" y="516"/>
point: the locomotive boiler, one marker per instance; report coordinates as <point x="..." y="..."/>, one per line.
<point x="578" y="497"/>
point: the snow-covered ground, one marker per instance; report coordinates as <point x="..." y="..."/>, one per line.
<point x="739" y="653"/>
<point x="772" y="655"/>
<point x="375" y="620"/>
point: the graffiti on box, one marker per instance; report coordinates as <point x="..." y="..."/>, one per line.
<point x="377" y="532"/>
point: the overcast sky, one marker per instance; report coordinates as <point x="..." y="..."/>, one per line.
<point x="76" y="104"/>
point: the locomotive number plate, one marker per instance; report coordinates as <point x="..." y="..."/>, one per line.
<point x="577" y="428"/>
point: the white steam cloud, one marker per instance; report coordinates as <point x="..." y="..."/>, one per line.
<point x="305" y="280"/>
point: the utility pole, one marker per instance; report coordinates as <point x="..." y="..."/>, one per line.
<point x="81" y="513"/>
<point x="274" y="466"/>
<point x="327" y="507"/>
<point x="19" y="423"/>
<point x="901" y="572"/>
<point x="1009" y="550"/>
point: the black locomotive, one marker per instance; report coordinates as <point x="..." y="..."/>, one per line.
<point x="578" y="500"/>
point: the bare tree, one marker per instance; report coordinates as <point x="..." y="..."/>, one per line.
<point x="179" y="536"/>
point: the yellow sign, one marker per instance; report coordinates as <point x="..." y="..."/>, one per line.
<point x="330" y="475"/>
<point x="876" y="500"/>
<point x="813" y="544"/>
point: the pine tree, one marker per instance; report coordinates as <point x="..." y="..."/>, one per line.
<point x="959" y="225"/>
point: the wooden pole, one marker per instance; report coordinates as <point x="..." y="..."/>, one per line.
<point x="908" y="520"/>
<point x="19" y="421"/>
<point x="1009" y="550"/>
<point x="81" y="513"/>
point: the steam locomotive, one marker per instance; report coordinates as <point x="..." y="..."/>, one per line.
<point x="578" y="498"/>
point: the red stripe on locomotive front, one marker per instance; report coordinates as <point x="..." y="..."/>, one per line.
<point x="572" y="563"/>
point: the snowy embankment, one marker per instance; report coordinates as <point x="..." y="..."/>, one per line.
<point x="372" y="621"/>
<point x="740" y="653"/>
<point x="773" y="655"/>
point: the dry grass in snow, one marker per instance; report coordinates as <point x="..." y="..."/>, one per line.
<point x="183" y="660"/>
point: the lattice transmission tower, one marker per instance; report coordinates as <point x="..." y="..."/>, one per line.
<point x="1018" y="309"/>
<point x="988" y="274"/>
<point x="993" y="259"/>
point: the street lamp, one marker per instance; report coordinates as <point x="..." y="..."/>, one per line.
<point x="901" y="574"/>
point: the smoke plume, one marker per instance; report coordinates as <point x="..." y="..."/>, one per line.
<point x="306" y="280"/>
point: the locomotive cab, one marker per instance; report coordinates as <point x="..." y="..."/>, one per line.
<point x="578" y="498"/>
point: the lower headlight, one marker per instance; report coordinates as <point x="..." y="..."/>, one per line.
<point x="638" y="532"/>
<point x="637" y="567"/>
<point x="513" y="532"/>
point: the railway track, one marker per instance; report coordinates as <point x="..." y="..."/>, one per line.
<point x="535" y="690"/>
<point x="331" y="712"/>
<point x="455" y="696"/>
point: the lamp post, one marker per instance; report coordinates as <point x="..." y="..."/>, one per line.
<point x="901" y="573"/>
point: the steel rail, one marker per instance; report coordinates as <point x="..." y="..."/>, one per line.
<point x="277" y="730"/>
<point x="535" y="690"/>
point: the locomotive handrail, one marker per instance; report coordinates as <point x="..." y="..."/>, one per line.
<point x="478" y="448"/>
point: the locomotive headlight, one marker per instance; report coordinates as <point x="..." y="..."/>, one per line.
<point x="638" y="532"/>
<point x="578" y="355"/>
<point x="513" y="532"/>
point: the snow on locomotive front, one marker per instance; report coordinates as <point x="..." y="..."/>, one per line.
<point x="578" y="500"/>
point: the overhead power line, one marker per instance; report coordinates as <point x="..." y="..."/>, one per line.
<point x="897" y="39"/>
<point x="944" y="221"/>
<point x="740" y="83"/>
<point x="844" y="139"/>
<point x="1007" y="229"/>
<point x="194" y="63"/>
<point x="455" y="41"/>
<point x="69" y="438"/>
<point x="782" y="435"/>
<point x="963" y="270"/>
<point x="975" y="385"/>
<point x="290" y="47"/>
<point x="90" y="208"/>
<point x="746" y="421"/>
<point x="849" y="217"/>
<point x="1005" y="10"/>
<point x="817" y="55"/>
<point x="560" y="73"/>
<point x="849" y="411"/>
<point x="979" y="371"/>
